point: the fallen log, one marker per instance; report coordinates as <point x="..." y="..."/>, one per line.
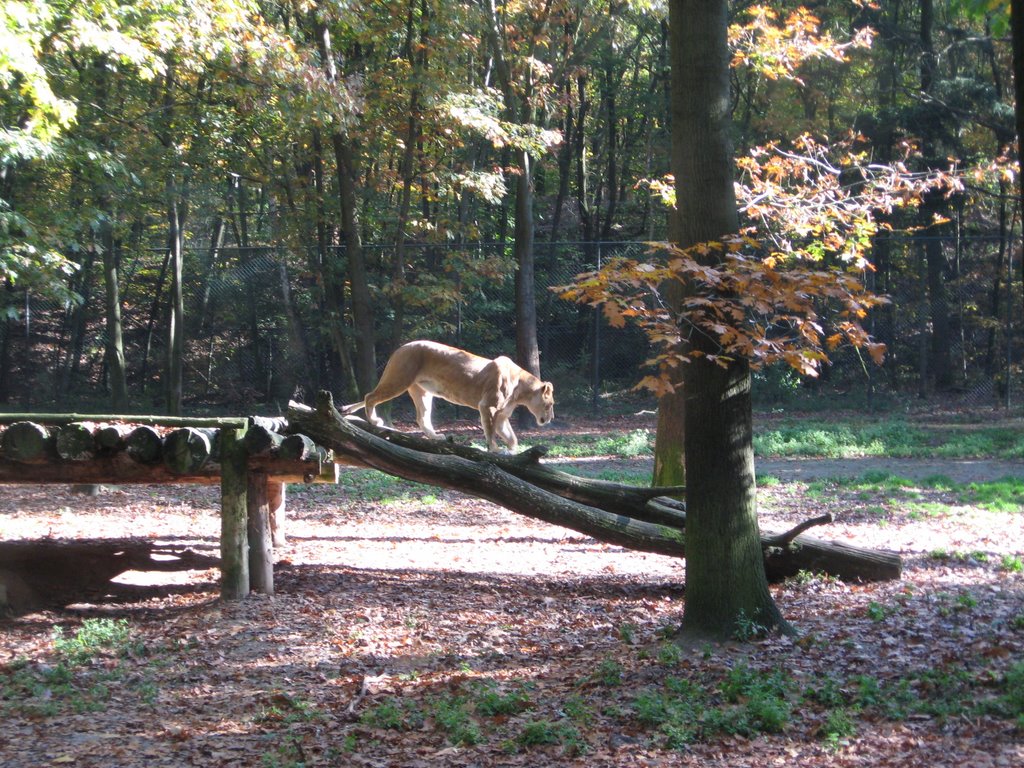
<point x="490" y="477"/>
<point x="649" y="504"/>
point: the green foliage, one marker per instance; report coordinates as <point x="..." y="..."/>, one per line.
<point x="74" y="682"/>
<point x="1011" y="701"/>
<point x="490" y="700"/>
<point x="896" y="439"/>
<point x="94" y="637"/>
<point x="453" y="715"/>
<point x="877" y="611"/>
<point x="1012" y="563"/>
<point x="539" y="733"/>
<point x="1006" y="495"/>
<point x="839" y="440"/>
<point x="608" y="673"/>
<point x="838" y="725"/>
<point x="683" y="712"/>
<point x="393" y="714"/>
<point x="747" y="629"/>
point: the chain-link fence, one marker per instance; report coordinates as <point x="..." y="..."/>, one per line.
<point x="259" y="329"/>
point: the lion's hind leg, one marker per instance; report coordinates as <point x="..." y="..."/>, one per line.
<point x="424" y="402"/>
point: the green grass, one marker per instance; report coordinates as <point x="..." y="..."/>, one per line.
<point x="829" y="440"/>
<point x="747" y="702"/>
<point x="639" y="442"/>
<point x="997" y="496"/>
<point x="896" y="439"/>
<point x="72" y="682"/>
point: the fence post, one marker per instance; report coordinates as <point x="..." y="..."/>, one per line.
<point x="234" y="512"/>
<point x="261" y="548"/>
<point x="1009" y="325"/>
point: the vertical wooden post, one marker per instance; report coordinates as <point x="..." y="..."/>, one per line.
<point x="234" y="543"/>
<point x="276" y="502"/>
<point x="261" y="548"/>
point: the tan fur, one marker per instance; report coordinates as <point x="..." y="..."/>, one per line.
<point x="426" y="369"/>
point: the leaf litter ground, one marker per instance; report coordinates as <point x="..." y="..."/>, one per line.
<point x="431" y="628"/>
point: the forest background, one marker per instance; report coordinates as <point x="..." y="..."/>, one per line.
<point x="216" y="206"/>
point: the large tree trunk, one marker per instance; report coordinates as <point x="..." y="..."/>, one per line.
<point x="362" y="303"/>
<point x="331" y="281"/>
<point x="518" y="107"/>
<point x="725" y="576"/>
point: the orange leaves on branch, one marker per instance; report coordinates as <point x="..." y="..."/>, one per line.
<point x="777" y="47"/>
<point x="790" y="288"/>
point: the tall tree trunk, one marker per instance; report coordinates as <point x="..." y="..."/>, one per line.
<point x="362" y="302"/>
<point x="417" y="62"/>
<point x="176" y="323"/>
<point x="940" y="360"/>
<point x="331" y="279"/>
<point x="1017" y="37"/>
<point x="114" y="345"/>
<point x="175" y="212"/>
<point x="347" y="175"/>
<point x="517" y="107"/>
<point x="114" y="350"/>
<point x="527" y="349"/>
<point x="725" y="577"/>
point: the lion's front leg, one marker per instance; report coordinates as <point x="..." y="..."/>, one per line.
<point x="502" y="428"/>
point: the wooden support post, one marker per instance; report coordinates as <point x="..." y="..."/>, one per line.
<point x="276" y="504"/>
<point x="261" y="548"/>
<point x="234" y="544"/>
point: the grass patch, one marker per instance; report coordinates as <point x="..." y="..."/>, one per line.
<point x="999" y="496"/>
<point x="897" y="439"/>
<point x="73" y="683"/>
<point x="638" y="442"/>
<point x="747" y="702"/>
<point x="1005" y="495"/>
<point x="839" y="441"/>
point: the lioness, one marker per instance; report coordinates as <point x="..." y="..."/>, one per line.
<point x="494" y="387"/>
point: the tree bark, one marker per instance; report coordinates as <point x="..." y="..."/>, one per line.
<point x="725" y="575"/>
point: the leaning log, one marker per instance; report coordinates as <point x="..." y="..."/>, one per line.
<point x="649" y="504"/>
<point x="480" y="478"/>
<point x="785" y="555"/>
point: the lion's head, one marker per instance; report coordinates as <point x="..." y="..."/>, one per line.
<point x="542" y="403"/>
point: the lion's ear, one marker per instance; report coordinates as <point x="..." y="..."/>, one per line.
<point x="548" y="389"/>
